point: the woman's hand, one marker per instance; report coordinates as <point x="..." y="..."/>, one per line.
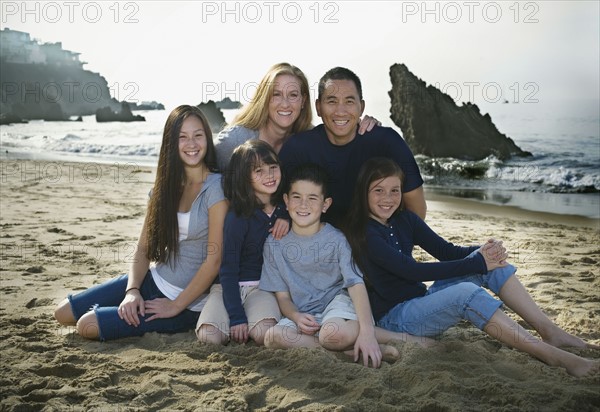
<point x="161" y="308"/>
<point x="132" y="305"/>
<point x="367" y="124"/>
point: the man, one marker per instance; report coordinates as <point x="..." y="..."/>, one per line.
<point x="336" y="145"/>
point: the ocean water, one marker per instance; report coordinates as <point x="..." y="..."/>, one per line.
<point x="562" y="176"/>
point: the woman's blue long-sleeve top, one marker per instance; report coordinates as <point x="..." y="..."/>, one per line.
<point x="394" y="276"/>
<point x="243" y="241"/>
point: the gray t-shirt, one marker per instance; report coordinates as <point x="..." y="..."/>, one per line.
<point x="313" y="269"/>
<point x="194" y="249"/>
<point x="228" y="140"/>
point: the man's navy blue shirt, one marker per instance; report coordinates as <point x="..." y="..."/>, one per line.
<point x="343" y="162"/>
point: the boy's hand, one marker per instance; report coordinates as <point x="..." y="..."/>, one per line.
<point x="368" y="346"/>
<point x="239" y="333"/>
<point x="307" y="323"/>
<point x="280" y="228"/>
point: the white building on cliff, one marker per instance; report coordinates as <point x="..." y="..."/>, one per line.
<point x="18" y="47"/>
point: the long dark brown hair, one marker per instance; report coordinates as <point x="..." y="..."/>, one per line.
<point x="162" y="230"/>
<point x="355" y="224"/>
<point x="237" y="183"/>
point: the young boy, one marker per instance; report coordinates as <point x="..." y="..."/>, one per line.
<point x="319" y="290"/>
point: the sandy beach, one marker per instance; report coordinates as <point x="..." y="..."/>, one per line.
<point x="67" y="226"/>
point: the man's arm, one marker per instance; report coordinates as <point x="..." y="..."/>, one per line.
<point x="415" y="202"/>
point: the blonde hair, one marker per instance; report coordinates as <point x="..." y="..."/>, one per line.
<point x="255" y="114"/>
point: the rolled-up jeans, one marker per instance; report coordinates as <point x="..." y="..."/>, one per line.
<point x="447" y="302"/>
<point x="104" y="300"/>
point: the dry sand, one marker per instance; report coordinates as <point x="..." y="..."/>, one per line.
<point x="67" y="226"/>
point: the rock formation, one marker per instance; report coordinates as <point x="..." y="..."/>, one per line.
<point x="45" y="81"/>
<point x="37" y="91"/>
<point x="227" y="103"/>
<point x="105" y="114"/>
<point x="153" y="105"/>
<point x="8" y="118"/>
<point x="433" y="125"/>
<point x="214" y="115"/>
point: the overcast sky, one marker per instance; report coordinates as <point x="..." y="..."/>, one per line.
<point x="186" y="52"/>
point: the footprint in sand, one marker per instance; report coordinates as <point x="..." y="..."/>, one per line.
<point x="56" y="230"/>
<point x="546" y="278"/>
<point x="35" y="302"/>
<point x="63" y="370"/>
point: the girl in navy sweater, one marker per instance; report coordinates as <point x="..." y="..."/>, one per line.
<point x="382" y="237"/>
<point x="236" y="308"/>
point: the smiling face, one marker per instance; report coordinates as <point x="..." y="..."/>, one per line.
<point x="340" y="108"/>
<point x="384" y="198"/>
<point x="192" y="142"/>
<point x="305" y="203"/>
<point x="286" y="102"/>
<point x="265" y="180"/>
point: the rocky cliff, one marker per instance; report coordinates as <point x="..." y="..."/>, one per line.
<point x="433" y="125"/>
<point x="52" y="92"/>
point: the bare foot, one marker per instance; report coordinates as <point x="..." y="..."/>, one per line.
<point x="419" y="340"/>
<point x="587" y="367"/>
<point x="562" y="339"/>
<point x="389" y="353"/>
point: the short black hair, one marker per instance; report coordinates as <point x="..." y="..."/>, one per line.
<point x="340" y="73"/>
<point x="310" y="172"/>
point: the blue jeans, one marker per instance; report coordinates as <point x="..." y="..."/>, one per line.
<point x="104" y="300"/>
<point x="447" y="302"/>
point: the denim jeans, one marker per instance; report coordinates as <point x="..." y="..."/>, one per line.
<point x="447" y="302"/>
<point x="104" y="300"/>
